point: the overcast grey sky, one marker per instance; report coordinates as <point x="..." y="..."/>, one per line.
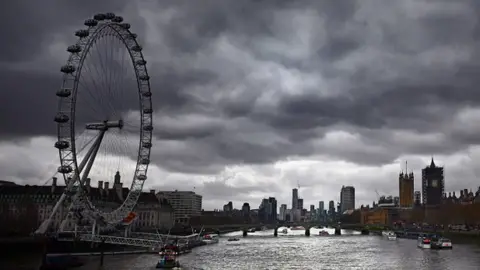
<point x="323" y="93"/>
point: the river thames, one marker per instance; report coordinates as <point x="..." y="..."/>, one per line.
<point x="261" y="250"/>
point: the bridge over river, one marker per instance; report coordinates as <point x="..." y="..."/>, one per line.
<point x="249" y="227"/>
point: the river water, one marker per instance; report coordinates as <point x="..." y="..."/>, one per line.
<point x="261" y="250"/>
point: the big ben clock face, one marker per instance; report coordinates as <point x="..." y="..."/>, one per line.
<point x="434" y="183"/>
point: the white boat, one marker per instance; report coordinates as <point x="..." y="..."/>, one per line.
<point x="441" y="243"/>
<point x="386" y="233"/>
<point x="391" y="236"/>
<point x="210" y="239"/>
<point x="424" y="242"/>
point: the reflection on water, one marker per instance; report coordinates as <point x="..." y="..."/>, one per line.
<point x="260" y="250"/>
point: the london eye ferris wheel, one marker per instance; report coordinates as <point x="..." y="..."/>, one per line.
<point x="104" y="119"/>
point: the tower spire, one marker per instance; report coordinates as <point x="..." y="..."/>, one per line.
<point x="117" y="178"/>
<point x="432" y="163"/>
<point x="406" y="167"/>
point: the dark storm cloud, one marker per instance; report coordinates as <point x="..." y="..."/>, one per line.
<point x="27" y="98"/>
<point x="168" y="84"/>
<point x="19" y="99"/>
<point x="28" y="26"/>
<point x="391" y="72"/>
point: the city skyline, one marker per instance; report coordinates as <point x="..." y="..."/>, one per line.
<point x="296" y="190"/>
<point x="245" y="109"/>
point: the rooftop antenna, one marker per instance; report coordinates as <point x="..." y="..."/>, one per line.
<point x="406" y="167"/>
<point x="298" y="184"/>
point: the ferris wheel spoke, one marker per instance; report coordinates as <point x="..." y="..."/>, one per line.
<point x="92" y="96"/>
<point x="94" y="64"/>
<point x="102" y="56"/>
<point x="124" y="135"/>
<point x="93" y="74"/>
<point x="121" y="77"/>
<point x="111" y="62"/>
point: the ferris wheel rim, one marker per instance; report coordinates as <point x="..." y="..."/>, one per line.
<point x="69" y="165"/>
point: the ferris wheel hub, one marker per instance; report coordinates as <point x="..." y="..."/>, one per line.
<point x="105" y="125"/>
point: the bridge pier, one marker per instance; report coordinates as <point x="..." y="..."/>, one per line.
<point x="307" y="231"/>
<point x="338" y="230"/>
<point x="102" y="249"/>
<point x="275" y="231"/>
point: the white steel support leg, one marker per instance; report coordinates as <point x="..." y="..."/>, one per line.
<point x="92" y="157"/>
<point x="87" y="161"/>
<point x="87" y="166"/>
<point x="69" y="187"/>
<point x="94" y="227"/>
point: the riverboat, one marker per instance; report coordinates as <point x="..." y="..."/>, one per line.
<point x="391" y="236"/>
<point x="168" y="259"/>
<point x="385" y="233"/>
<point x="424" y="242"/>
<point x="441" y="243"/>
<point x="210" y="239"/>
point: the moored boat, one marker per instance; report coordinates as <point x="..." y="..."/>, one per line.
<point x="168" y="259"/>
<point x="391" y="236"/>
<point x="441" y="243"/>
<point x="297" y="228"/>
<point x="210" y="239"/>
<point x="424" y="242"/>
<point x="386" y="233"/>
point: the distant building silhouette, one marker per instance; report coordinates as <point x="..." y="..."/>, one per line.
<point x="24" y="208"/>
<point x="433" y="185"/>
<point x="294" y="198"/>
<point x="406" y="188"/>
<point x="331" y="208"/>
<point x="347" y="198"/>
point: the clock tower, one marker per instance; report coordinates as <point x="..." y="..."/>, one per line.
<point x="433" y="184"/>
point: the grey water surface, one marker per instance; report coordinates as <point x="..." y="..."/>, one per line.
<point x="261" y="250"/>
